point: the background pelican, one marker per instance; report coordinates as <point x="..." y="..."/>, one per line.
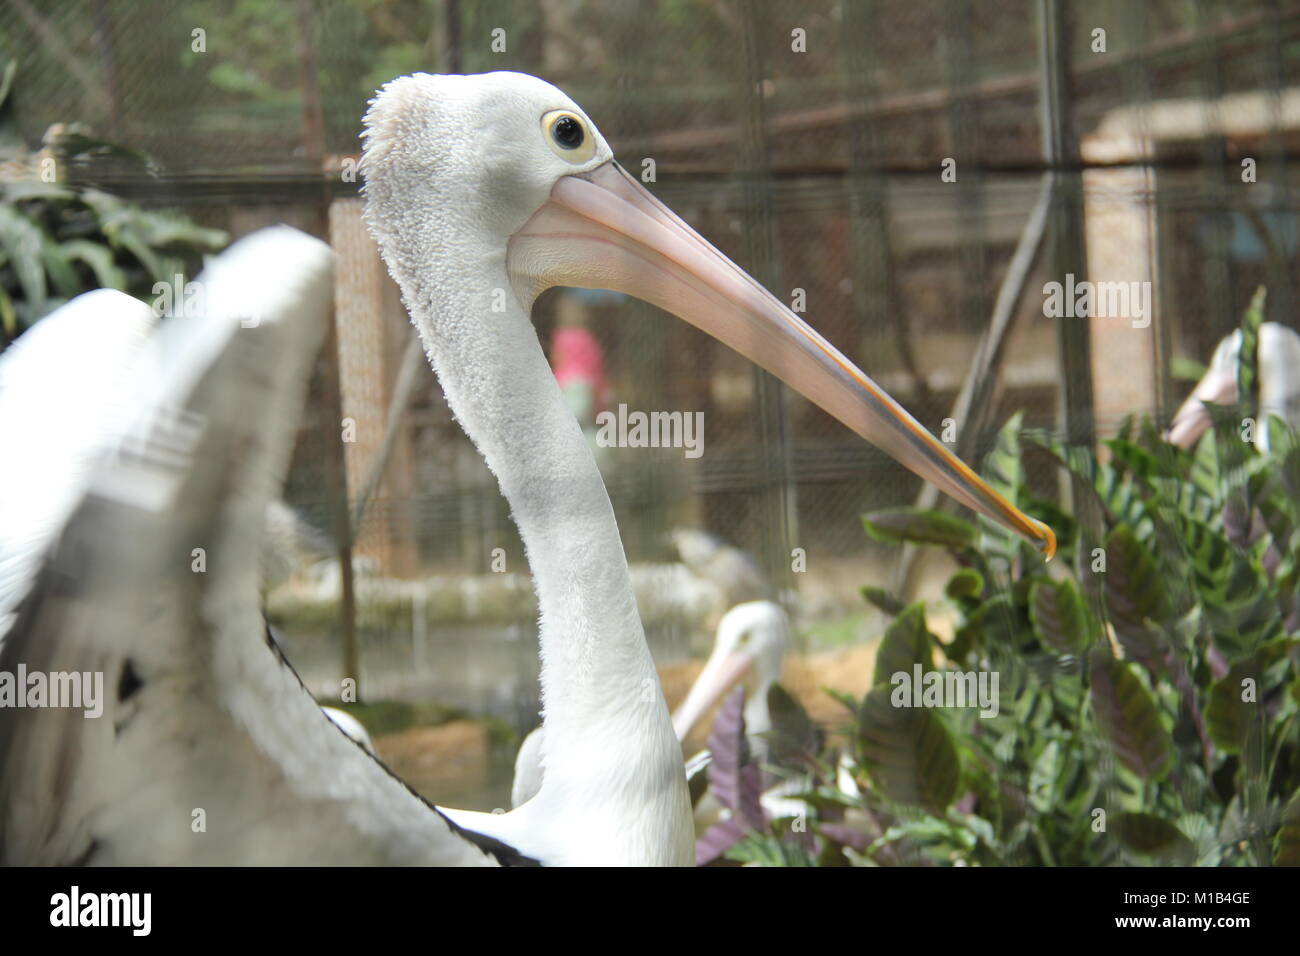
<point x="1278" y="370"/>
<point x="751" y="642"/>
<point x="481" y="191"/>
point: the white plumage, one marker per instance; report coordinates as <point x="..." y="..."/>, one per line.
<point x="350" y="726"/>
<point x="750" y="643"/>
<point x="209" y="749"/>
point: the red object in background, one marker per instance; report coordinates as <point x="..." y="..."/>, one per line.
<point x="578" y="359"/>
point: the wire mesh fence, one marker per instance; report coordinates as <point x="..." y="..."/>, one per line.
<point x="874" y="164"/>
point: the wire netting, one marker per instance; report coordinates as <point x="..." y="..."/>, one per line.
<point x="808" y="141"/>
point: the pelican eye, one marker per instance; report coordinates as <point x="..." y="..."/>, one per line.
<point x="568" y="137"/>
<point x="567" y="132"/>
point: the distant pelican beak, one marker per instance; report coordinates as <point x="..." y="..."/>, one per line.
<point x="604" y="230"/>
<point x="720" y="672"/>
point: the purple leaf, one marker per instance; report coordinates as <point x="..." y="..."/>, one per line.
<point x="729" y="748"/>
<point x="846" y="835"/>
<point x="1236" y="519"/>
<point x="735" y="781"/>
<point x="717" y="840"/>
<point x="1128" y="718"/>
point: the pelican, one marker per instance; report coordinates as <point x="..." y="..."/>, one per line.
<point x="481" y="191"/>
<point x="1278" y="370"/>
<point x="751" y="642"/>
<point x="750" y="645"/>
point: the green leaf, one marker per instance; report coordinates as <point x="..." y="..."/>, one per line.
<point x="1240" y="627"/>
<point x="8" y="318"/>
<point x="1281" y="436"/>
<point x="1240" y="602"/>
<point x="906" y="643"/>
<point x="1122" y="498"/>
<point x="1060" y="616"/>
<point x="1108" y="488"/>
<point x="997" y="618"/>
<point x="34" y="189"/>
<point x="935" y="838"/>
<point x="918" y="526"/>
<point x="764" y="850"/>
<point x="1227" y="717"/>
<point x="1004" y="466"/>
<point x="794" y="737"/>
<point x="62" y="275"/>
<point x="847" y="701"/>
<point x="1248" y="357"/>
<point x="154" y="264"/>
<point x="1145" y="464"/>
<point x="1135" y="593"/>
<point x="1186" y="370"/>
<point x="1230" y="719"/>
<point x="1152" y="836"/>
<point x="1005" y="473"/>
<point x="7" y="79"/>
<point x="908" y="752"/>
<point x="100" y="260"/>
<point x="1286" y="845"/>
<point x="1126" y="714"/>
<point x="22" y="242"/>
<point x="883" y="600"/>
<point x="1042" y="778"/>
<point x="966" y="585"/>
<point x="1205" y="465"/>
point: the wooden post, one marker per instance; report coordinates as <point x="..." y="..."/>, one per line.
<point x="1120" y="233"/>
<point x="336" y="485"/>
<point x="336" y="479"/>
<point x="368" y="367"/>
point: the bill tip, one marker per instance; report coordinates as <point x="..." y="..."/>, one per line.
<point x="1047" y="541"/>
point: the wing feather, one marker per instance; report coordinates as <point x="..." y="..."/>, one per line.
<point x="208" y="750"/>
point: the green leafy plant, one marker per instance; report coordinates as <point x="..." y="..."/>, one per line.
<point x="58" y="240"/>
<point x="1149" y="677"/>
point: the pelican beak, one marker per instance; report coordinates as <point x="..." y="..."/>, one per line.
<point x="1218" y="387"/>
<point x="721" y="671"/>
<point x="603" y="230"/>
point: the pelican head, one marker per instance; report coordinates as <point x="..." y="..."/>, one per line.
<point x="751" y="642"/>
<point x="479" y="154"/>
<point x="506" y="175"/>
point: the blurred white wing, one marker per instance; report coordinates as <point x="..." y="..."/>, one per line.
<point x="209" y="750"/>
<point x="350" y="726"/>
<point x="61" y="388"/>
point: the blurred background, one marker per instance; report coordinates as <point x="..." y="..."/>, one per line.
<point x="909" y="175"/>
